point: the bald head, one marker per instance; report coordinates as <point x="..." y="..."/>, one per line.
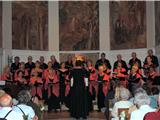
<point x="5" y="100"/>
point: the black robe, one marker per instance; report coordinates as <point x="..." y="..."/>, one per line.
<point x="79" y="107"/>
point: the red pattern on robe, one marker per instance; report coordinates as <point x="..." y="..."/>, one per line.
<point x="67" y="86"/>
<point x="33" y="80"/>
<point x="93" y="78"/>
<point x="16" y="75"/>
<point x="120" y="74"/>
<point x="4" y="76"/>
<point x="106" y="84"/>
<point x="55" y="88"/>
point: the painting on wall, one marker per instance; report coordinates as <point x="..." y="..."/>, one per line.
<point x="127" y="24"/>
<point x="78" y="25"/>
<point x="157" y="22"/>
<point x="30" y="25"/>
<point x="86" y="56"/>
<point x="1" y="24"/>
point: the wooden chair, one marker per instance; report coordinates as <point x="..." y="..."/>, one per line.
<point x="126" y="110"/>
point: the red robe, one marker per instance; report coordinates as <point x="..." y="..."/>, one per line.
<point x="55" y="88"/>
<point x="93" y="78"/>
<point x="120" y="74"/>
<point x="106" y="84"/>
<point x="4" y="76"/>
<point x="16" y="75"/>
<point x="33" y="80"/>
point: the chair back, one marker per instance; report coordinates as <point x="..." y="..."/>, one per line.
<point x="126" y="110"/>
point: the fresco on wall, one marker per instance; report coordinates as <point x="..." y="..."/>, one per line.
<point x="157" y="22"/>
<point x="30" y="25"/>
<point x="92" y="56"/>
<point x="128" y="24"/>
<point x="78" y="25"/>
<point x="1" y="24"/>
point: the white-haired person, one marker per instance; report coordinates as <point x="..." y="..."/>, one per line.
<point x="6" y="111"/>
<point x="153" y="115"/>
<point x="23" y="98"/>
<point x="142" y="101"/>
<point x="123" y="102"/>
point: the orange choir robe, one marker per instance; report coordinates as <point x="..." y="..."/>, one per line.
<point x="55" y="88"/>
<point x="4" y="76"/>
<point x="106" y="85"/>
<point x="93" y="78"/>
<point x="16" y="75"/>
<point x="120" y="74"/>
<point x="36" y="90"/>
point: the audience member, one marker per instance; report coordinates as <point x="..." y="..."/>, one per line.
<point x="6" y="111"/>
<point x="142" y="101"/>
<point x="22" y="107"/>
<point x="122" y="103"/>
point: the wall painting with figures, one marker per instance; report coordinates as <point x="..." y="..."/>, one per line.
<point x="127" y="24"/>
<point x="78" y="25"/>
<point x="30" y="25"/>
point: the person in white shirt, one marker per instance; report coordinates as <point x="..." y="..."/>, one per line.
<point x="6" y="110"/>
<point x="123" y="103"/>
<point x="22" y="107"/>
<point x="142" y="101"/>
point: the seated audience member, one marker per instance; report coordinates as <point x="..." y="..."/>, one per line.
<point x="122" y="103"/>
<point x="142" y="101"/>
<point x="103" y="60"/>
<point x="15" y="65"/>
<point x="6" y="74"/>
<point x="153" y="115"/>
<point x="29" y="65"/>
<point x="6" y="111"/>
<point x="43" y="65"/>
<point x="153" y="58"/>
<point x="119" y="59"/>
<point x="37" y="106"/>
<point x="134" y="60"/>
<point x="2" y="92"/>
<point x="22" y="107"/>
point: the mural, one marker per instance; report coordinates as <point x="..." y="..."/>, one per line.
<point x="128" y="24"/>
<point x="1" y="24"/>
<point x="30" y="25"/>
<point x="92" y="56"/>
<point x="79" y="25"/>
<point x="157" y="22"/>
